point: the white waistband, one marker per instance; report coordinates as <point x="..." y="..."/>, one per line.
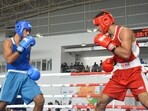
<point x="19" y="71"/>
<point x="126" y="65"/>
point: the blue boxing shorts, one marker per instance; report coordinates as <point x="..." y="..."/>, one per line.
<point x="18" y="83"/>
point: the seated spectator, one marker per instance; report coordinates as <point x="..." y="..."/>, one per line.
<point x="96" y="68"/>
<point x="70" y="102"/>
<point x="141" y="60"/>
<point x="78" y="109"/>
<point x="100" y="62"/>
<point x="127" y="110"/>
<point x="64" y="67"/>
<point x="87" y="109"/>
<point x="57" y="103"/>
<point x="76" y="66"/>
<point x="71" y="66"/>
<point x="50" y="109"/>
<point x="82" y="68"/>
<point x="87" y="69"/>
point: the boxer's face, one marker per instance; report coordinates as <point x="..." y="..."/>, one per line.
<point x="26" y="32"/>
<point x="99" y="28"/>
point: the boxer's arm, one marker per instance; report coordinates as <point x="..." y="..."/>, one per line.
<point x="126" y="37"/>
<point x="9" y="56"/>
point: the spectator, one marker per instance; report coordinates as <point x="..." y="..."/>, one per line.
<point x="82" y="68"/>
<point x="78" y="109"/>
<point x="87" y="109"/>
<point x="64" y="67"/>
<point x="94" y="67"/>
<point x="76" y="66"/>
<point x="70" y="102"/>
<point x="57" y="103"/>
<point x="127" y="110"/>
<point x="141" y="60"/>
<point x="87" y="69"/>
<point x="100" y="62"/>
<point x="50" y="109"/>
<point x="71" y="66"/>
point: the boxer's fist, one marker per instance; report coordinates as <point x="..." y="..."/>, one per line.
<point x="105" y="41"/>
<point x="25" y="43"/>
<point x="34" y="73"/>
<point x="108" y="65"/>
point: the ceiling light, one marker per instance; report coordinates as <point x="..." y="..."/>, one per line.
<point x="83" y="44"/>
<point x="89" y="30"/>
<point x="95" y="30"/>
<point x="39" y="35"/>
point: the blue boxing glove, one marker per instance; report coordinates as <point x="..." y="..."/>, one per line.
<point x="25" y="43"/>
<point x="34" y="73"/>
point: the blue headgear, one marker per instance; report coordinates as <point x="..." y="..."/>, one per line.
<point x="21" y="25"/>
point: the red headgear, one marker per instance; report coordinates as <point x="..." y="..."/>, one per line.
<point x="103" y="20"/>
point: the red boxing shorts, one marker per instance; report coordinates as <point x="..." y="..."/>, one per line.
<point x="124" y="79"/>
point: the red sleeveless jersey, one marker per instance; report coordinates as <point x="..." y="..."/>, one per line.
<point x="135" y="47"/>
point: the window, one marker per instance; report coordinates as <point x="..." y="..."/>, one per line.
<point x="2" y="67"/>
<point x="49" y="64"/>
<point x="42" y="64"/>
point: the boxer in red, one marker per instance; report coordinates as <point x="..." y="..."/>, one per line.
<point x="125" y="63"/>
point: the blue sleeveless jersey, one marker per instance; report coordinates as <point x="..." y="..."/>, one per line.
<point x="22" y="62"/>
<point x="18" y="83"/>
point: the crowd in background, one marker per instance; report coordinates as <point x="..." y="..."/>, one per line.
<point x="79" y="67"/>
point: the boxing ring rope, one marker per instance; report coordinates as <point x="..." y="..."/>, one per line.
<point x="80" y="106"/>
<point x="84" y="96"/>
<point x="76" y="74"/>
<point x="73" y="74"/>
<point x="100" y="74"/>
<point x="72" y="85"/>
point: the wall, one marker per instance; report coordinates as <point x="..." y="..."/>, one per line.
<point x="51" y="47"/>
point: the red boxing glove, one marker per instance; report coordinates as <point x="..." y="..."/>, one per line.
<point x="104" y="41"/>
<point x="108" y="65"/>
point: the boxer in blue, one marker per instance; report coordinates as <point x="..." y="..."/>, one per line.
<point x="21" y="76"/>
